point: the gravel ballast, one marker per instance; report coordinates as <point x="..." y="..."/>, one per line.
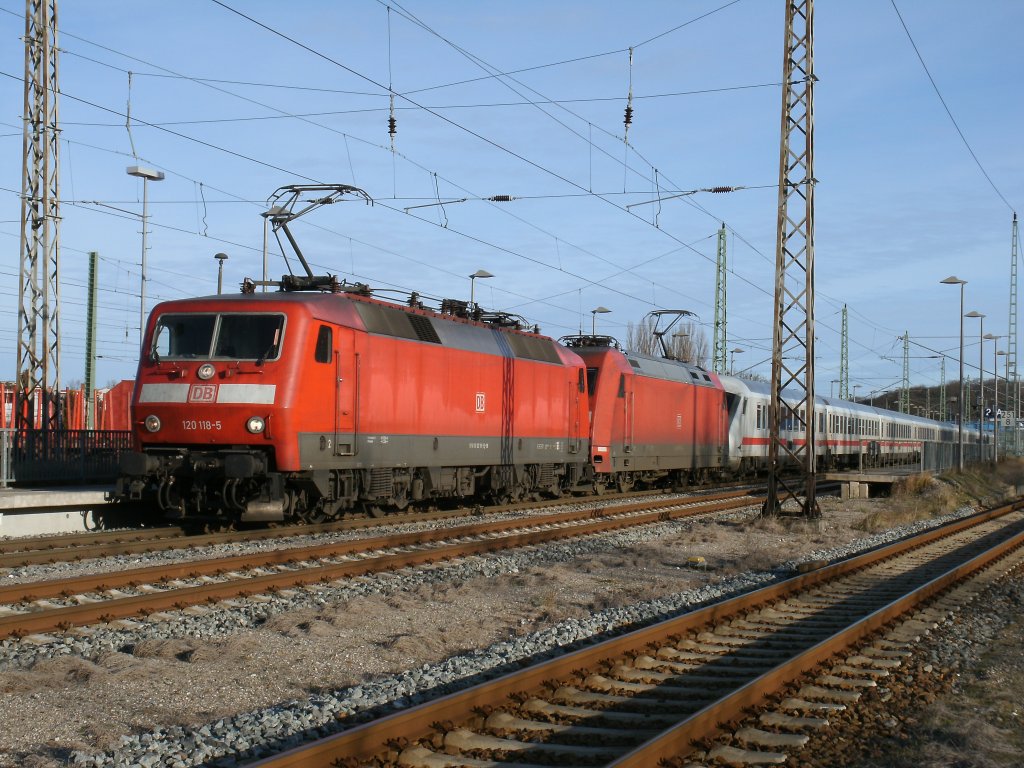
<point x="532" y="599"/>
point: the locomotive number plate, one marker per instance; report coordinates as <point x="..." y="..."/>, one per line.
<point x="194" y="425"/>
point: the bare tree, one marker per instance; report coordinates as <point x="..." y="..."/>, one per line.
<point x="689" y="343"/>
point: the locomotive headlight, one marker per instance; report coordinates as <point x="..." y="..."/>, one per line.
<point x="153" y="423"/>
<point x="205" y="371"/>
<point x="255" y="424"/>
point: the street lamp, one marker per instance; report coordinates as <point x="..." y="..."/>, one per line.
<point x="981" y="376"/>
<point x="481" y="273"/>
<point x="221" y="258"/>
<point x="147" y="175"/>
<point x="954" y="280"/>
<point x="732" y="359"/>
<point x="855" y="388"/>
<point x="593" y="318"/>
<point x="832" y="387"/>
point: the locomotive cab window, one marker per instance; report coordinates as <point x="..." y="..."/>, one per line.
<point x="229" y="336"/>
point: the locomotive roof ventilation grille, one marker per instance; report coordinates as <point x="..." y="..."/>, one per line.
<point x="424" y="329"/>
<point x="395" y="322"/>
<point x="532" y="348"/>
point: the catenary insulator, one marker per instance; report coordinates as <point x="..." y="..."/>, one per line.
<point x="628" y="120"/>
<point x="501" y="198"/>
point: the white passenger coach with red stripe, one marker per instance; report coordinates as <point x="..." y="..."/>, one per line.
<point x="849" y="435"/>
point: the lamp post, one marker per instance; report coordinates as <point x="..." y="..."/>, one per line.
<point x="855" y="388"/>
<point x="481" y="273"/>
<point x="832" y="387"/>
<point x="981" y="378"/>
<point x="593" y="318"/>
<point x="147" y="175"/>
<point x="221" y="258"/>
<point x="954" y="280"/>
<point x="732" y="359"/>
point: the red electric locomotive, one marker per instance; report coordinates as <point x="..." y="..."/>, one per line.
<point x="300" y="405"/>
<point x="654" y="421"/>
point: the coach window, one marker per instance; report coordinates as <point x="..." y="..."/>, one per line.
<point x="324" y="343"/>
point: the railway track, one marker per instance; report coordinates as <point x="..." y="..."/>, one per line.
<point x="39" y="550"/>
<point x="682" y="691"/>
<point x="45" y="606"/>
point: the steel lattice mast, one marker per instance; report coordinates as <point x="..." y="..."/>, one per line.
<point x="1011" y="349"/>
<point x="38" y="286"/>
<point x="721" y="342"/>
<point x="844" y="360"/>
<point x="793" y="327"/>
<point x="942" y="390"/>
<point x="905" y="385"/>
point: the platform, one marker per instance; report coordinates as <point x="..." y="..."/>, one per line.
<point x="39" y="511"/>
<point x="857" y="485"/>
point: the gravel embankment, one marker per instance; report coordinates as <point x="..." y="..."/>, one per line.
<point x="237" y="738"/>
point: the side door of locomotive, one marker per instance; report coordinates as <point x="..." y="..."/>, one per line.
<point x="336" y="349"/>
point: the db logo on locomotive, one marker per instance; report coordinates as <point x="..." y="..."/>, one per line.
<point x="203" y="393"/>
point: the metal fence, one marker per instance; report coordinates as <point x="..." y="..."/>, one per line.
<point x="61" y="456"/>
<point x="938" y="457"/>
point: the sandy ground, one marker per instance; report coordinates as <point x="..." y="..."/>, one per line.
<point x="73" y="703"/>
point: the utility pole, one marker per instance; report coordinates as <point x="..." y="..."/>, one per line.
<point x="844" y="360"/>
<point x="1011" y="349"/>
<point x="721" y="342"/>
<point x="905" y="388"/>
<point x="793" y="326"/>
<point x="38" y="368"/>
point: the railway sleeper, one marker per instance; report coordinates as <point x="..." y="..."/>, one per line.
<point x="791" y="722"/>
<point x="844" y="683"/>
<point x="821" y="693"/>
<point x="638" y="720"/>
<point x="503" y="721"/>
<point x="761" y="738"/>
<point x="845" y="669"/>
<point x="645" y="675"/>
<point x="648" y="706"/>
<point x="503" y="724"/>
<point x="670" y="658"/>
<point x="421" y="757"/>
<point x="797" y="704"/>
<point x="711" y="668"/>
<point x="739" y="651"/>
<point x="737" y="756"/>
<point x="606" y="685"/>
<point x="465" y="740"/>
<point x="861" y="660"/>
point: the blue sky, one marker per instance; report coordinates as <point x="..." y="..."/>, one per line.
<point x="901" y="203"/>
